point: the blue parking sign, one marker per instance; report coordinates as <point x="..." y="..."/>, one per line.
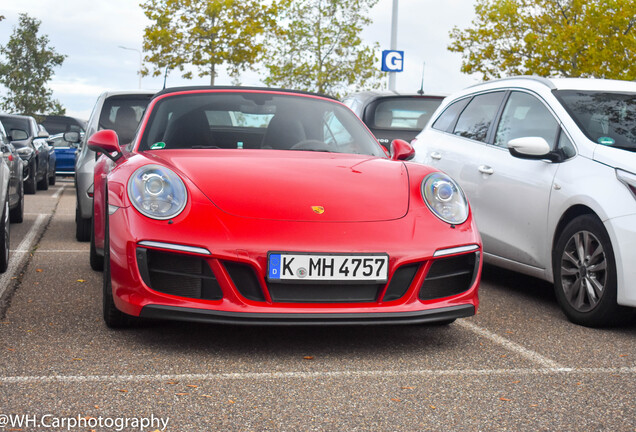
<point x="392" y="61"/>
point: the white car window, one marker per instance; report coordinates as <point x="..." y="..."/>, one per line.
<point x="474" y="122"/>
<point x="526" y="116"/>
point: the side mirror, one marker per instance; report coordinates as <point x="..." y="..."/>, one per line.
<point x="72" y="137"/>
<point x="106" y="142"/>
<point x="533" y="148"/>
<point x="401" y="150"/>
<point x="43" y="134"/>
<point x="18" y="135"/>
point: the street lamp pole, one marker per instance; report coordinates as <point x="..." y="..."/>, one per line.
<point x="140" y="60"/>
<point x="394" y="24"/>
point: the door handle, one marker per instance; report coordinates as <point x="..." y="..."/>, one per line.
<point x="485" y="169"/>
<point x="436" y="155"/>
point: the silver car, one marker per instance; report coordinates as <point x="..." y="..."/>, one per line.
<point x="117" y="110"/>
<point x="549" y="168"/>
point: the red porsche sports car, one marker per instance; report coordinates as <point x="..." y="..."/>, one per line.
<point x="262" y="206"/>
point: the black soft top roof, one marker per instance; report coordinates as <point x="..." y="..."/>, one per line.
<point x="189" y="88"/>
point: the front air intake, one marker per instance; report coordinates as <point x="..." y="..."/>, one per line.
<point x="450" y="276"/>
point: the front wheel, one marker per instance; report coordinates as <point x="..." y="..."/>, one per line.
<point x="585" y="274"/>
<point x="82" y="226"/>
<point x="29" y="183"/>
<point x="44" y="183"/>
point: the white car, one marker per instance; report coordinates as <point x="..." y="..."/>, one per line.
<point x="549" y="168"/>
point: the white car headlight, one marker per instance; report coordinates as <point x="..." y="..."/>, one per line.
<point x="445" y="198"/>
<point x="628" y="179"/>
<point x="157" y="192"/>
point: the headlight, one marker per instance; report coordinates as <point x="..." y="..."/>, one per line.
<point x="445" y="198"/>
<point x="157" y="192"/>
<point x="25" y="152"/>
<point x="628" y="179"/>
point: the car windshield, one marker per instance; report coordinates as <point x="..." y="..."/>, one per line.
<point x="255" y="120"/>
<point x="15" y="123"/>
<point x="404" y="113"/>
<point x="606" y="118"/>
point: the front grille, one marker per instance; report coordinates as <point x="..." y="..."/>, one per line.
<point x="178" y="274"/>
<point x="324" y="293"/>
<point x="450" y="276"/>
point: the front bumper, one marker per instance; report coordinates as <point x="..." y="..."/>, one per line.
<point x="220" y="276"/>
<point x="622" y="231"/>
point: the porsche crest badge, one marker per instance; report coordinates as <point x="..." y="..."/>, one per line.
<point x="318" y="209"/>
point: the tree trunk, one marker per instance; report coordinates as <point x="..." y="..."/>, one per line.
<point x="212" y="74"/>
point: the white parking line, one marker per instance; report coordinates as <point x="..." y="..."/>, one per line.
<point x="52" y="250"/>
<point x="17" y="259"/>
<point x="314" y="375"/>
<point x="529" y="354"/>
<point x="57" y="194"/>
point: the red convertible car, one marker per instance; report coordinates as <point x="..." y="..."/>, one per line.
<point x="262" y="206"/>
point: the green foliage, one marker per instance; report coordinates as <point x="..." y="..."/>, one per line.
<point x="27" y="67"/>
<point x="319" y="48"/>
<point x="206" y="34"/>
<point x="570" y="38"/>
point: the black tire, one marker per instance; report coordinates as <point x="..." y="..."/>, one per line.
<point x="29" y="184"/>
<point x="585" y="274"/>
<point x="52" y="180"/>
<point x="5" y="241"/>
<point x="97" y="261"/>
<point x="44" y="183"/>
<point x="113" y="317"/>
<point x="82" y="227"/>
<point x="16" y="214"/>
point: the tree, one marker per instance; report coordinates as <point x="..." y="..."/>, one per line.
<point x="319" y="47"/>
<point x="205" y="34"/>
<point x="27" y="68"/>
<point x="569" y="38"/>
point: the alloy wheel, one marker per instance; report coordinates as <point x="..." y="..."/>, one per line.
<point x="583" y="271"/>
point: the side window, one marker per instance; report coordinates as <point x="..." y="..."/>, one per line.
<point x="474" y="122"/>
<point x="526" y="116"/>
<point x="446" y="119"/>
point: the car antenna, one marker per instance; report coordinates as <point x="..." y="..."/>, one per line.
<point x="165" y="77"/>
<point x="421" y="90"/>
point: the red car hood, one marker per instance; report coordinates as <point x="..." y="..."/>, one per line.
<point x="296" y="185"/>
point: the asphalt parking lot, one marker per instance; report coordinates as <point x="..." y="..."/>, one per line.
<point x="518" y="365"/>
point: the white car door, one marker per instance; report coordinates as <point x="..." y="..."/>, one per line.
<point x="509" y="196"/>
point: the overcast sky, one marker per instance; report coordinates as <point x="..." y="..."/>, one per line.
<point x="90" y="34"/>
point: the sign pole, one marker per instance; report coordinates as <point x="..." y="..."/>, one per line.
<point x="394" y="18"/>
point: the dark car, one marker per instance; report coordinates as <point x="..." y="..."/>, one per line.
<point x="30" y="141"/>
<point x="16" y="185"/>
<point x="56" y="124"/>
<point x="390" y="115"/>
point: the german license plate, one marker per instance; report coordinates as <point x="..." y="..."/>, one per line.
<point x="283" y="266"/>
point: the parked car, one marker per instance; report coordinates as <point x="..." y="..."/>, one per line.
<point x="261" y="206"/>
<point x="30" y="142"/>
<point x="116" y="110"/>
<point x="65" y="152"/>
<point x="16" y="172"/>
<point x="390" y="115"/>
<point x="5" y="181"/>
<point x="55" y="124"/>
<point x="549" y="166"/>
